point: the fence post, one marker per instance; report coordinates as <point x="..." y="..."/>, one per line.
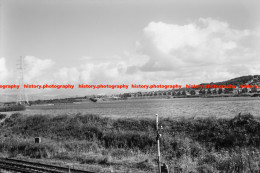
<point x="158" y="143"/>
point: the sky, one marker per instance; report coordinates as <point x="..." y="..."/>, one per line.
<point x="127" y="42"/>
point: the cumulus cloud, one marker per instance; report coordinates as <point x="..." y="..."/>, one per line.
<point x="37" y="69"/>
<point x="91" y="72"/>
<point x="3" y="70"/>
<point x="208" y="49"/>
<point x="67" y="75"/>
<point x="202" y="51"/>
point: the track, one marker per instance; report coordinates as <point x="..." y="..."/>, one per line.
<point x="34" y="167"/>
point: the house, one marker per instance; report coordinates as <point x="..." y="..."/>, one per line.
<point x="197" y="92"/>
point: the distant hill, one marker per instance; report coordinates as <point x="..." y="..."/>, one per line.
<point x="250" y="79"/>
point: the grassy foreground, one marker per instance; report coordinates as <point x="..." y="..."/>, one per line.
<point x="128" y="145"/>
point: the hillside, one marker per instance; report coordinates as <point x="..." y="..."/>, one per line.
<point x="250" y="79"/>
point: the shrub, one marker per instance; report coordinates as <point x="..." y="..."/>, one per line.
<point x="2" y="116"/>
<point x="15" y="147"/>
<point x="12" y="108"/>
<point x="207" y="144"/>
<point x="146" y="165"/>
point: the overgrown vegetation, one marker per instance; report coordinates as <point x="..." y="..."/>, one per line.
<point x="194" y="145"/>
<point x="2" y="116"/>
<point x="12" y="107"/>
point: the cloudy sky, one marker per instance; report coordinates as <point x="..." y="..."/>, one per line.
<point x="128" y="41"/>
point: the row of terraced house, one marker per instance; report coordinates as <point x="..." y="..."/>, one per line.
<point x="184" y="91"/>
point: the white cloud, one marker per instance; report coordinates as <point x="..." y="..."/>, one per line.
<point x="3" y="70"/>
<point x="36" y="69"/>
<point x="67" y="75"/>
<point x="205" y="50"/>
<point x="167" y="37"/>
<point x="95" y="73"/>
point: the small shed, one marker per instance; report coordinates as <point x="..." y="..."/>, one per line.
<point x="37" y="140"/>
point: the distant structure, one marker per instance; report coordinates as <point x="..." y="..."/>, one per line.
<point x="21" y="95"/>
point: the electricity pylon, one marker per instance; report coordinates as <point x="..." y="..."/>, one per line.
<point x="21" y="95"/>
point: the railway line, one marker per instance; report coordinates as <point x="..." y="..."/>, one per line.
<point x="22" y="166"/>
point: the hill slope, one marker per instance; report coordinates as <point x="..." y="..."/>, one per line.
<point x="250" y="79"/>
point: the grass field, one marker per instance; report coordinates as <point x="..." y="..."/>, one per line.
<point x="105" y="144"/>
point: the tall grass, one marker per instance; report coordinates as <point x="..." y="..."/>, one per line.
<point x="193" y="145"/>
<point x="12" y="108"/>
<point x="2" y="116"/>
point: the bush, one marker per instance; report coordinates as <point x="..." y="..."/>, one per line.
<point x="15" y="147"/>
<point x="208" y="144"/>
<point x="12" y="108"/>
<point x="2" y="116"/>
<point x="146" y="165"/>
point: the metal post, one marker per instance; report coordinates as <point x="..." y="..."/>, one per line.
<point x="158" y="143"/>
<point x="69" y="168"/>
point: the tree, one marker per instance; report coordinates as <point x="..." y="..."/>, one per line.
<point x="244" y="90"/>
<point x="226" y="91"/>
<point x="192" y="92"/>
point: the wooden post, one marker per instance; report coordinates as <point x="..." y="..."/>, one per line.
<point x="158" y="143"/>
<point x="69" y="168"/>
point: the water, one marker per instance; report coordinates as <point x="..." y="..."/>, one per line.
<point x="179" y="107"/>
